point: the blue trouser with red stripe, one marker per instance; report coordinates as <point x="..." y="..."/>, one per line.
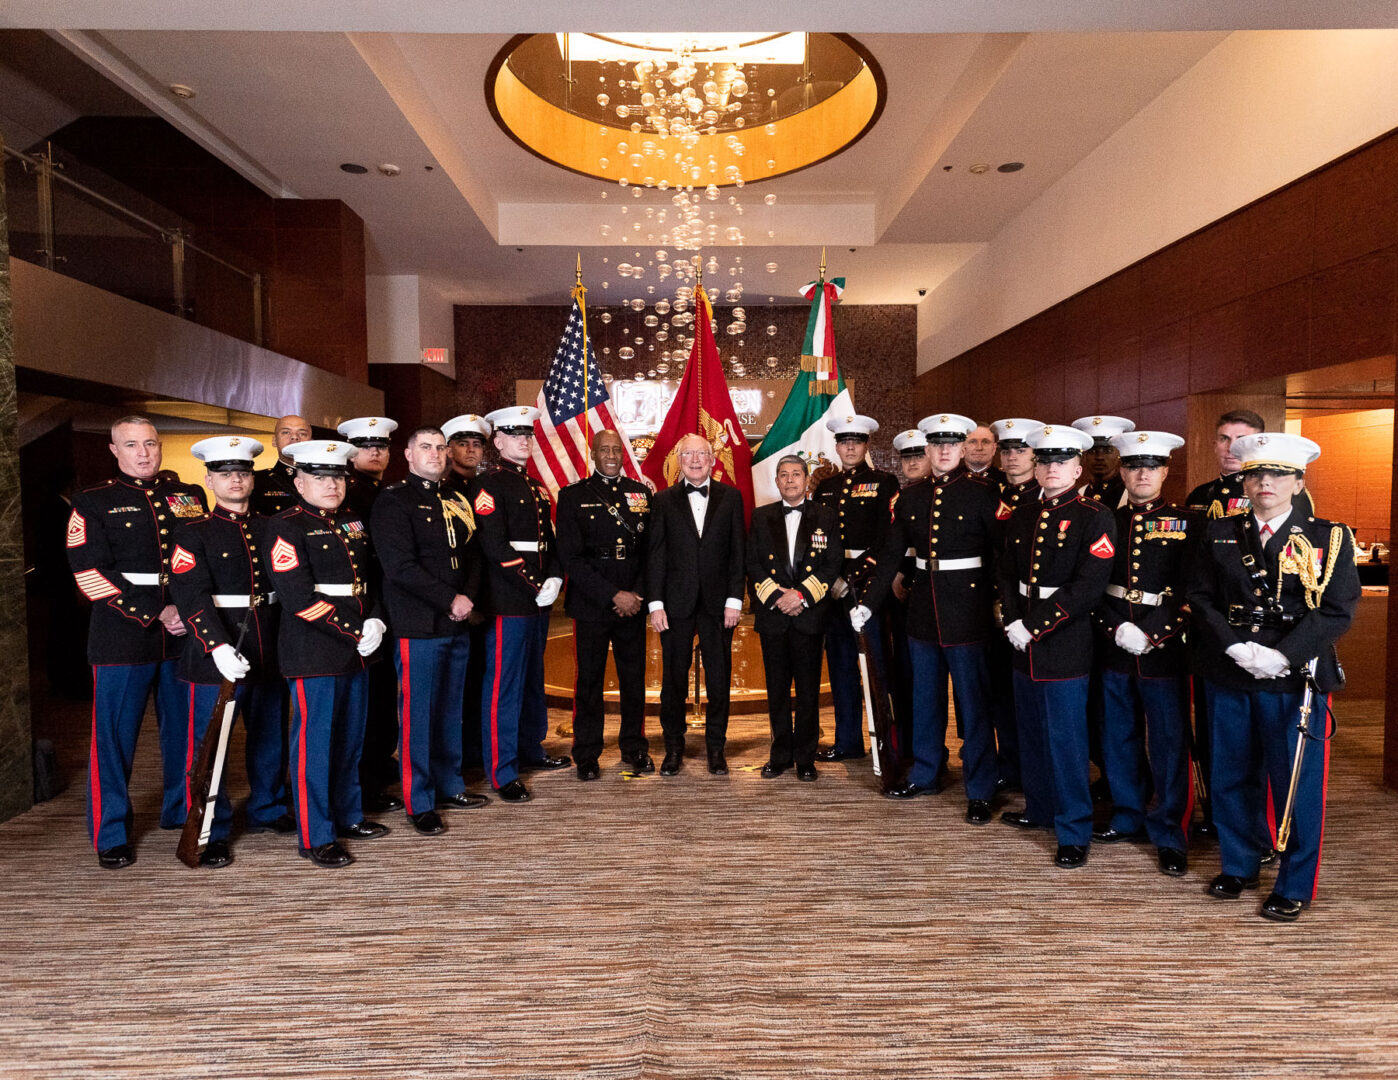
<point x="514" y="714"/>
<point x="1128" y="751"/>
<point x="119" y="696"/>
<point x="1254" y="741"/>
<point x="970" y="684"/>
<point x="431" y="680"/>
<point x="846" y="689"/>
<point x="1053" y="755"/>
<point x="328" y="713"/>
<point x="259" y="706"/>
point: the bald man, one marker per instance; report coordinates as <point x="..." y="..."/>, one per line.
<point x="273" y="490"/>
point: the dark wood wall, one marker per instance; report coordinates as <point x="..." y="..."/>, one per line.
<point x="1304" y="278"/>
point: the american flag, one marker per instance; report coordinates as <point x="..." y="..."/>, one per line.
<point x="561" y="455"/>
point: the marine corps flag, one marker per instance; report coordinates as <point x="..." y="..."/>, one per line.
<point x="702" y="407"/>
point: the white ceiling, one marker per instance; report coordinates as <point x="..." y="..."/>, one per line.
<point x="289" y="90"/>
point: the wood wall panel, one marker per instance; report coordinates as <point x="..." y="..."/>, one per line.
<point x="1352" y="480"/>
<point x="1278" y="332"/>
<point x="1352" y="310"/>
<point x="1165" y="361"/>
<point x="1357" y="205"/>
<point x="1280" y="237"/>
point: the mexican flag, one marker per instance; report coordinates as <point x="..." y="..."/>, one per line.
<point x="817" y="393"/>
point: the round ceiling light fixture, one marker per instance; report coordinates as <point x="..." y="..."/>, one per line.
<point x="682" y="110"/>
<point x="353" y="169"/>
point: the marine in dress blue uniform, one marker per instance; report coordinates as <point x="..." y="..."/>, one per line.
<point x="1270" y="593"/>
<point x="601" y="526"/>
<point x="1054" y="570"/>
<point x="914" y="465"/>
<point x="317" y="560"/>
<point x="1141" y="629"/>
<point x="431" y="583"/>
<point x="514" y="523"/>
<point x="862" y="498"/>
<point x="1101" y="463"/>
<point x="793" y="558"/>
<point x="217" y="581"/>
<point x="120" y="535"/>
<point x="948" y="520"/>
<point x="1017" y="487"/>
<point x="274" y="489"/>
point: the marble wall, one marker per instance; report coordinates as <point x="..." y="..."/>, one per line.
<point x="16" y="749"/>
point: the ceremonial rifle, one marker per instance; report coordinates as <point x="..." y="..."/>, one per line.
<point x="877" y="713"/>
<point x="1303" y="728"/>
<point x="206" y="771"/>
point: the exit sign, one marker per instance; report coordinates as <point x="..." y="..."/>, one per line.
<point x="434" y="356"/>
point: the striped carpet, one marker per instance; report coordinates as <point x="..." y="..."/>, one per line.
<point x="698" y="927"/>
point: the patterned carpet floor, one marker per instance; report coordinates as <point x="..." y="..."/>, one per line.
<point x="698" y="927"/>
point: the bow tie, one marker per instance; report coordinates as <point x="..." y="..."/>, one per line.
<point x="690" y="489"/>
<point x="787" y="508"/>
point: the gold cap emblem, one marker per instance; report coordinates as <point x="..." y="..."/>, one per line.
<point x="1096" y="420"/>
<point x="234" y="441"/>
<point x="331" y="447"/>
<point x="1048" y="431"/>
<point x="1262" y="440"/>
<point x="1143" y="437"/>
<point x="373" y="421"/>
<point x="945" y="418"/>
<point x="1009" y="424"/>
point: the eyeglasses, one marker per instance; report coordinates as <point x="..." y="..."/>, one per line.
<point x="692" y="455"/>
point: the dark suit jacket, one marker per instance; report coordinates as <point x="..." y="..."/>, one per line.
<point x="689" y="574"/>
<point x="819" y="559"/>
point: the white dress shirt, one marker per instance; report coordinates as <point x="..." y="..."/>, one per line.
<point x="699" y="506"/>
<point x="1276" y="524"/>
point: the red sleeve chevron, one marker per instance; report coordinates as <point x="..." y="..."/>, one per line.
<point x="284" y="555"/>
<point x="77" y="530"/>
<point x="181" y="560"/>
<point x="1103" y="548"/>
<point x="318" y="610"/>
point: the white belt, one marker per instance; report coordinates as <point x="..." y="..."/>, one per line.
<point x="525" y="545"/>
<point x="950" y="564"/>
<point x="1136" y="596"/>
<point x="853" y="553"/>
<point x="1026" y="589"/>
<point x="141" y="579"/>
<point x="336" y="590"/>
<point x="242" y="600"/>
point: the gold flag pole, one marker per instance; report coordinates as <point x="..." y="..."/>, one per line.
<point x="580" y="295"/>
<point x="822" y="266"/>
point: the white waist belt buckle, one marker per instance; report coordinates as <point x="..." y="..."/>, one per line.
<point x="1025" y="589"/>
<point x="141" y="579"/>
<point x="525" y="545"/>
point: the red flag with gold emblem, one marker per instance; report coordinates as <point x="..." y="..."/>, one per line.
<point x="702" y="407"/>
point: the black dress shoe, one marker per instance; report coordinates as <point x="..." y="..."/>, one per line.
<point x="216" y="855"/>
<point x="330" y="856"/>
<point x="381" y="802"/>
<point x="1204" y="828"/>
<point x="546" y="763"/>
<point x="806" y="772"/>
<point x="908" y="790"/>
<point x="1269" y="856"/>
<point x="673" y="763"/>
<point x="1280" y="909"/>
<point x="429" y="823"/>
<point x="772" y="769"/>
<point x="1070" y="856"/>
<point x="363" y="830"/>
<point x="978" y="811"/>
<point x="718" y="764"/>
<point x="115" y="858"/>
<point x="641" y="763"/>
<point x="1020" y="820"/>
<point x="1230" y="886"/>
<point x="588" y="770"/>
<point x="1172" y="861"/>
<point x="514" y="791"/>
<point x="832" y="754"/>
<point x="462" y="800"/>
<point x="1116" y="836"/>
<point x="284" y="823"/>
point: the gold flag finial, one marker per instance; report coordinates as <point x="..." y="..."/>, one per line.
<point x="579" y="278"/>
<point x="822" y="265"/>
<point x="699" y="271"/>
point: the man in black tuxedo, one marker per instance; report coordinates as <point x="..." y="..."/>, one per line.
<point x="694" y="579"/>
<point x="794" y="557"/>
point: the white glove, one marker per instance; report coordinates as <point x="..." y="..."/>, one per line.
<point x="549" y="592"/>
<point x="1268" y="663"/>
<point x="371" y="637"/>
<point x="1241" y="654"/>
<point x="839" y="588"/>
<point x="1133" y="639"/>
<point x="1018" y="635"/>
<point x="231" y="664"/>
<point x="858" y="616"/>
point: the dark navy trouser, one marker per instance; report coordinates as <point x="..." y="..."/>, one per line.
<point x="514" y="714"/>
<point x="431" y="680"/>
<point x="259" y="706"/>
<point x="1129" y="749"/>
<point x="846" y="689"/>
<point x="1053" y="755"/>
<point x="328" y="713"/>
<point x="970" y="684"/>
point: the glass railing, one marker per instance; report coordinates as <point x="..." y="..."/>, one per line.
<point x="81" y="223"/>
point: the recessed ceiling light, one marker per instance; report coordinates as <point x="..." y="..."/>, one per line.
<point x="389" y="169"/>
<point x="1011" y="166"/>
<point x="351" y="167"/>
<point x="980" y="167"/>
<point x="180" y="90"/>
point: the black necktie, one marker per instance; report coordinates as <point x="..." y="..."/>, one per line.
<point x="787" y="508"/>
<point x="691" y="490"/>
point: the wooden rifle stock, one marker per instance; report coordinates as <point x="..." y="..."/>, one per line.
<point x="207" y="768"/>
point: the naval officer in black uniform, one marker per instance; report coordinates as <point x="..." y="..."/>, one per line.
<point x="1145" y="666"/>
<point x="862" y="498"/>
<point x="1054" y="571"/>
<point x="217" y="581"/>
<point x="431" y="583"/>
<point x="120" y="534"/>
<point x="601" y="526"/>
<point x="794" y="557"/>
<point x="1270" y="594"/>
<point x="318" y="561"/>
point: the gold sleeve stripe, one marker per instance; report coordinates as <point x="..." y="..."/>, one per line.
<point x="765" y="588"/>
<point x="815" y="587"/>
